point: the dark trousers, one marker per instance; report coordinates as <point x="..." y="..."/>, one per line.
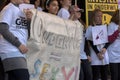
<point x="18" y="74"/>
<point x="115" y="71"/>
<point x="85" y="71"/>
<point x="1" y="71"/>
<point x="100" y="71"/>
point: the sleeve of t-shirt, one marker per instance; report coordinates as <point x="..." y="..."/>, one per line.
<point x="62" y="14"/>
<point x="113" y="33"/>
<point x="111" y="29"/>
<point x="88" y="34"/>
<point x="107" y="45"/>
<point x="4" y="31"/>
<point x="94" y="47"/>
<point x="6" y="16"/>
<point x="5" y="21"/>
<point x="86" y="48"/>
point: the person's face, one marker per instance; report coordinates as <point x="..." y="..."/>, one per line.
<point x="37" y="3"/>
<point x="17" y="1"/>
<point x="77" y="14"/>
<point x="98" y="18"/>
<point x="67" y="2"/>
<point x="27" y="1"/>
<point x="53" y="7"/>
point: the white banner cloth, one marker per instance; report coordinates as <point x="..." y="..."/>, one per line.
<point x="54" y="48"/>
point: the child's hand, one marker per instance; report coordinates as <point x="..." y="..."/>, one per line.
<point x="23" y="48"/>
<point x="89" y="58"/>
<point x="103" y="50"/>
<point x="100" y="56"/>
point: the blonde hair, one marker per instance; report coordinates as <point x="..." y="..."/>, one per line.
<point x="92" y="22"/>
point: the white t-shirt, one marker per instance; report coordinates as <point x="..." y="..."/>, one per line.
<point x="114" y="48"/>
<point x="64" y="13"/>
<point x="82" y="52"/>
<point x="39" y="9"/>
<point x="95" y="59"/>
<point x="14" y="17"/>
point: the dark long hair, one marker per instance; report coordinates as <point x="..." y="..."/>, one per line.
<point x="33" y="2"/>
<point x="47" y="3"/>
<point x="3" y="3"/>
<point x="115" y="18"/>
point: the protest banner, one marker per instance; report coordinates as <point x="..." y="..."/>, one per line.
<point x="106" y="6"/>
<point x="54" y="48"/>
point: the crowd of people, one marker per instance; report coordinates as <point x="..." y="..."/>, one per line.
<point x="14" y="36"/>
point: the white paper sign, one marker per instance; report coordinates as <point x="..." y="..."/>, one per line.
<point x="99" y="34"/>
<point x="54" y="48"/>
<point x="26" y="6"/>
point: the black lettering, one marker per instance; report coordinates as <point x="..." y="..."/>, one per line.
<point x="18" y="21"/>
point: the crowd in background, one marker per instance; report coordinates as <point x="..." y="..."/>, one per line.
<point x="91" y="56"/>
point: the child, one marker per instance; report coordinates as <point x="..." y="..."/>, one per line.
<point x="97" y="51"/>
<point x="64" y="11"/>
<point x="13" y="38"/>
<point x="85" y="70"/>
<point x="113" y="50"/>
<point x="52" y="6"/>
<point x="37" y="4"/>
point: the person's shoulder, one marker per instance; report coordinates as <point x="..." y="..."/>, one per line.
<point x="79" y="23"/>
<point x="90" y="26"/>
<point x="63" y="10"/>
<point x="112" y="24"/>
<point x="8" y="8"/>
<point x="39" y="9"/>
